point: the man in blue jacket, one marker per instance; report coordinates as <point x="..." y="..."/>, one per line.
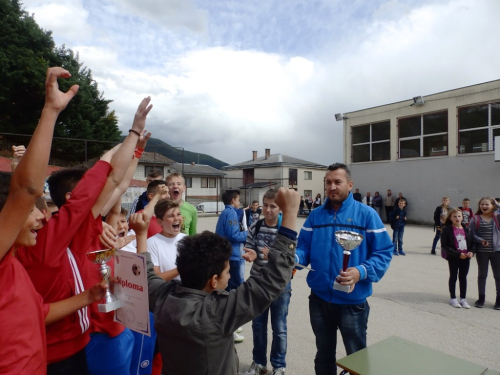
<point x="228" y="226"/>
<point x="332" y="309"/>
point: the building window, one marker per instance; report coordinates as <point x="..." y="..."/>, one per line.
<point x="204" y="182"/>
<point x="423" y="135"/>
<point x="208" y="182"/>
<point x="211" y="182"/>
<point x="308" y="175"/>
<point x="149" y="168"/>
<point x="371" y="142"/>
<point x="189" y="182"/>
<point x="477" y="128"/>
<point x="292" y="176"/>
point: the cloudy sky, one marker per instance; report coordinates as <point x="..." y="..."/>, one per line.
<point x="231" y="76"/>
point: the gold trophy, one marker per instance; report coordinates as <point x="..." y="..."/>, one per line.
<point x="101" y="257"/>
<point x="348" y="241"/>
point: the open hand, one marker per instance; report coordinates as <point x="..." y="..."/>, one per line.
<point x="143" y="139"/>
<point x="124" y="241"/>
<point x="141" y="114"/>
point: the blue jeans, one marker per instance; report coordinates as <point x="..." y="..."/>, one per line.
<point x="279" y="312"/>
<point x="436" y="239"/>
<point x="397" y="238"/>
<point x="326" y="318"/>
<point x="237" y="273"/>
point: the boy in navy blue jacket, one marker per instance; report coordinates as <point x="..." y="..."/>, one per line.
<point x="397" y="218"/>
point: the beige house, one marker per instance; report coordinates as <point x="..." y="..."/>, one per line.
<point x="254" y="177"/>
<point x="427" y="147"/>
<point x="203" y="182"/>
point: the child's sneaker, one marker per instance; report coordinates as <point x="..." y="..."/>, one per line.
<point x="401" y="252"/>
<point x="237" y="337"/>
<point x="454" y="303"/>
<point x="239" y="330"/>
<point x="464" y="303"/>
<point x="480" y="302"/>
<point x="256" y="369"/>
<point x="395" y="252"/>
<point x="278" y="371"/>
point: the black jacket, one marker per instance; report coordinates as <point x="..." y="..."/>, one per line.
<point x="448" y="241"/>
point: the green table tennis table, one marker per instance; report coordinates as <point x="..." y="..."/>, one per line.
<point x="397" y="356"/>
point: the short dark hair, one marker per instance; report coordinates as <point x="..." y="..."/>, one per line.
<point x="153" y="186"/>
<point x="5" y="178"/>
<point x="123" y="211"/>
<point x="467" y="200"/>
<point x="155" y="173"/>
<point x="334" y="167"/>
<point x="270" y="194"/>
<point x="201" y="256"/>
<point x="163" y="206"/>
<point x="63" y="181"/>
<point x="229" y="195"/>
<point x="255" y="201"/>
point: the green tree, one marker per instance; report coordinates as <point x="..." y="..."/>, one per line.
<point x="26" y="51"/>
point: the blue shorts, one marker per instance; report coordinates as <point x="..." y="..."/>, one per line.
<point x="143" y="353"/>
<point x="110" y="355"/>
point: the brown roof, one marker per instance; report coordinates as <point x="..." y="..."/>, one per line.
<point x="152" y="157"/>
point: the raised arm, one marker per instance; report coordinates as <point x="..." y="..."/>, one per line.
<point x="27" y="181"/>
<point x="123" y="156"/>
<point x="129" y="174"/>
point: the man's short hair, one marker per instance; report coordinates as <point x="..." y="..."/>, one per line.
<point x="153" y="186"/>
<point x="63" y="181"/>
<point x="229" y="195"/>
<point x="467" y="200"/>
<point x="176" y="174"/>
<point x="5" y="178"/>
<point x="155" y="173"/>
<point x="336" y="166"/>
<point x="255" y="201"/>
<point x="201" y="256"/>
<point x="270" y="194"/>
<point x="163" y="206"/>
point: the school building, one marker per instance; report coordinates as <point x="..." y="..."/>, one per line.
<point x="427" y="147"/>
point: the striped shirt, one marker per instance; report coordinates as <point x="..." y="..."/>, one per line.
<point x="264" y="238"/>
<point x="486" y="233"/>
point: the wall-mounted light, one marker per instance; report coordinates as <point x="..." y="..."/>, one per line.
<point x="340" y="117"/>
<point x="418" y="100"/>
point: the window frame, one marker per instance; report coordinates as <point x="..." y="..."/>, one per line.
<point x="370" y="142"/>
<point x="308" y="174"/>
<point x="422" y="136"/>
<point x="489" y="127"/>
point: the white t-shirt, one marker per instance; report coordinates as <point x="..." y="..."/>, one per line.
<point x="132" y="246"/>
<point x="163" y="251"/>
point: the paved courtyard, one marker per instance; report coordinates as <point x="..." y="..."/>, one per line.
<point x="411" y="302"/>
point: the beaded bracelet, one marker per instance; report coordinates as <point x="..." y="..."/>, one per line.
<point x="134" y="131"/>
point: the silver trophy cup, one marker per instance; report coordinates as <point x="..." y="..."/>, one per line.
<point x="348" y="241"/>
<point x="101" y="257"/>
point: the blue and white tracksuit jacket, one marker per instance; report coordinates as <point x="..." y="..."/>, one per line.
<point x="228" y="226"/>
<point x="317" y="247"/>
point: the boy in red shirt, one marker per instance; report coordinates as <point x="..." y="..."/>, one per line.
<point x="23" y="315"/>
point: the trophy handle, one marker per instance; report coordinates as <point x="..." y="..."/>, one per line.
<point x="347" y="255"/>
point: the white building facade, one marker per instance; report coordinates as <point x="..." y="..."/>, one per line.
<point x="427" y="148"/>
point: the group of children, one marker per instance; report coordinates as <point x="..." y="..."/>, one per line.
<point x="49" y="318"/>
<point x="463" y="235"/>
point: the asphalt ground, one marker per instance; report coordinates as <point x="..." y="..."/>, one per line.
<point x="411" y="301"/>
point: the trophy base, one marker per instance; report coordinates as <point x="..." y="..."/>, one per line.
<point x="110" y="306"/>
<point x="342" y="288"/>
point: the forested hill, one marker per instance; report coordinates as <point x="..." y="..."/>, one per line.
<point x="155" y="144"/>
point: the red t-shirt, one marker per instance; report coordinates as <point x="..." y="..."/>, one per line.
<point x="154" y="227"/>
<point x="55" y="271"/>
<point x="22" y="322"/>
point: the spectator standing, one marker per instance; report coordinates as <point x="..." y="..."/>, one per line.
<point x="357" y="196"/>
<point x="377" y="203"/>
<point x="398" y="223"/>
<point x="440" y="214"/>
<point x="389" y="204"/>
<point x="368" y="199"/>
<point x="301" y="205"/>
<point x="317" y="201"/>
<point x="467" y="213"/>
<point x="309" y="202"/>
<point x="400" y="196"/>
